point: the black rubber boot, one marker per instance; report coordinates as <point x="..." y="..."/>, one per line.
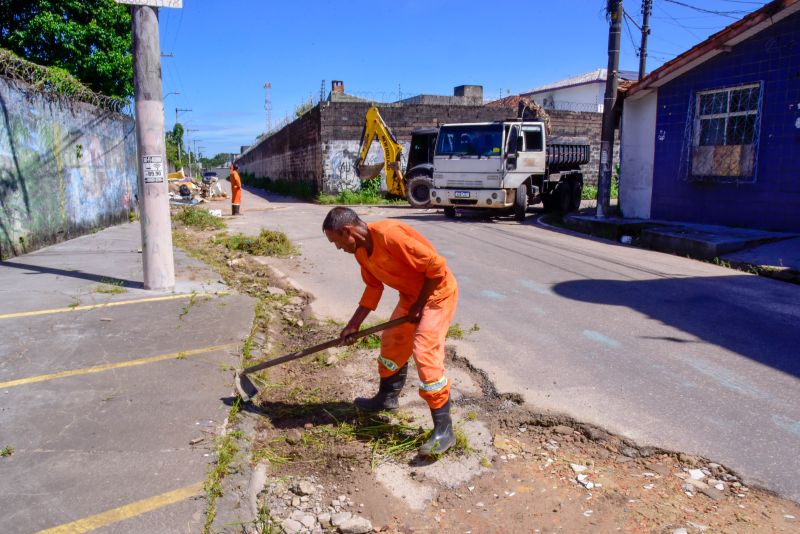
<point x="388" y="393"/>
<point x="443" y="436"/>
<point x="235" y="210"/>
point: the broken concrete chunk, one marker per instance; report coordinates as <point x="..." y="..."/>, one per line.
<point x="563" y="430"/>
<point x="304" y="487"/>
<point x="340" y="518"/>
<point x="697" y="474"/>
<point x="356" y="525"/>
<point x="290" y="526"/>
<point x="578" y="468"/>
<point x="275" y="291"/>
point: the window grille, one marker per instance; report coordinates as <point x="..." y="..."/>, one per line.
<point x="721" y="136"/>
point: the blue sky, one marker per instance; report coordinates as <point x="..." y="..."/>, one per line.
<point x="225" y="50"/>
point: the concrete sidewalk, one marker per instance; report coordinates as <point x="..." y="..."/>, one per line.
<point x="110" y="395"/>
<point x="772" y="254"/>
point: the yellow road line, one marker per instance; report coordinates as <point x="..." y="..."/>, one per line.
<point x="128" y="511"/>
<point x="108" y="305"/>
<point x="109" y="366"/>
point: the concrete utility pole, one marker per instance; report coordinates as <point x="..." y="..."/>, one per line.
<point x="647" y="8"/>
<point x="615" y="12"/>
<point x="157" y="258"/>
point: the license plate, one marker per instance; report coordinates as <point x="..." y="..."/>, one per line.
<point x="461" y="194"/>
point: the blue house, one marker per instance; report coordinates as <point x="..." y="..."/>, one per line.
<point x="713" y="136"/>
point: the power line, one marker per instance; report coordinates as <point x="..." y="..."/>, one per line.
<point x="729" y="14"/>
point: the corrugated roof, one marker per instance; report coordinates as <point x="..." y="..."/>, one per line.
<point x="753" y="23"/>
<point x="597" y="75"/>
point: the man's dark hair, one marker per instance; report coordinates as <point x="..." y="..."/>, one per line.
<point x="235" y="166"/>
<point x="340" y="217"/>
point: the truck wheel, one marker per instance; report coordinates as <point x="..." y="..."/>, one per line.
<point x="450" y="212"/>
<point x="521" y="203"/>
<point x="418" y="191"/>
<point x="563" y="194"/>
<point x="547" y="202"/>
<point x="576" y="188"/>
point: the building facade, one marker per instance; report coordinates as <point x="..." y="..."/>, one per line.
<point x="713" y="136"/>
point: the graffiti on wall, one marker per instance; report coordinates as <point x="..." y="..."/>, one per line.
<point x="340" y="165"/>
<point x="65" y="169"/>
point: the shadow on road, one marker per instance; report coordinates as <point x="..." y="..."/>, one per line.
<point x="716" y="310"/>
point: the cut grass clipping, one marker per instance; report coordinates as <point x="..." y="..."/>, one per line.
<point x="267" y="243"/>
<point x="390" y="440"/>
<point x="199" y="218"/>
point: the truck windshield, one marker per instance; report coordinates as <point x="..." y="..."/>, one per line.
<point x="478" y="140"/>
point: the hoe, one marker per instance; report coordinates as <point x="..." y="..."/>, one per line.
<point x="247" y="390"/>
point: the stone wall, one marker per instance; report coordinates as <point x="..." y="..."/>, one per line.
<point x="322" y="146"/>
<point x="293" y="153"/>
<point x="65" y="168"/>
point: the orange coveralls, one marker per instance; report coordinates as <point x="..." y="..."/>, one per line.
<point x="402" y="258"/>
<point x="236" y="188"/>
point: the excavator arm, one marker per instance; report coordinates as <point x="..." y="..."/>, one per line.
<point x="374" y="127"/>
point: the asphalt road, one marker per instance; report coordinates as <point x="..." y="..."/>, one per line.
<point x="668" y="351"/>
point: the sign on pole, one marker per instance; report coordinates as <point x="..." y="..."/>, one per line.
<point x="153" y="3"/>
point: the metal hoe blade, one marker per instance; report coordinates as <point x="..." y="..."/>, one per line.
<point x="247" y="390"/>
<point x="244" y="386"/>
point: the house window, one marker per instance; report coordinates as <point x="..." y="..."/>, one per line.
<point x="725" y="132"/>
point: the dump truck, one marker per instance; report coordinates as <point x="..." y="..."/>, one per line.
<point x="415" y="183"/>
<point x="506" y="166"/>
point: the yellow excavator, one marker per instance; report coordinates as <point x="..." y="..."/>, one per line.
<point x="415" y="184"/>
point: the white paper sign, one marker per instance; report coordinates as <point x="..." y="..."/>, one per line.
<point x="153" y="169"/>
<point x="153" y="3"/>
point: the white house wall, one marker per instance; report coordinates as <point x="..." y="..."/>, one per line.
<point x="588" y="96"/>
<point x="637" y="146"/>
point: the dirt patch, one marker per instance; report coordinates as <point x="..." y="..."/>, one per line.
<point x="521" y="470"/>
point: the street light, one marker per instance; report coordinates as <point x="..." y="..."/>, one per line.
<point x="171" y="93"/>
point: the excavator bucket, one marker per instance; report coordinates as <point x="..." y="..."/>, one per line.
<point x="368" y="172"/>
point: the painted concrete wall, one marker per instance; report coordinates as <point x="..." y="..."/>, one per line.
<point x="772" y="201"/>
<point x="637" y="147"/>
<point x="339" y="164"/>
<point x="65" y="169"/>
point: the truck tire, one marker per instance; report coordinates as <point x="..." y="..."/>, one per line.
<point x="563" y="197"/>
<point x="547" y="202"/>
<point x="576" y="190"/>
<point x="450" y="212"/>
<point x="521" y="203"/>
<point x="418" y="191"/>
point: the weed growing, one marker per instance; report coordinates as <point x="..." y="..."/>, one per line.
<point x="457" y="332"/>
<point x="188" y="306"/>
<point x="111" y="286"/>
<point x="370" y="193"/>
<point x="199" y="218"/>
<point x="6" y="451"/>
<point x="226" y="451"/>
<point x="267" y="243"/>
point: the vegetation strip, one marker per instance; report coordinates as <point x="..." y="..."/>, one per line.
<point x="104" y="519"/>
<point x="108" y="304"/>
<point x="108" y="366"/>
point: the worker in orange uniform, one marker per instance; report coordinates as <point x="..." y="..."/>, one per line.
<point x="394" y="254"/>
<point x="236" y="189"/>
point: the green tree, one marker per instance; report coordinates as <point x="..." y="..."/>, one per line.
<point x="217" y="161"/>
<point x="90" y="39"/>
<point x="174" y="139"/>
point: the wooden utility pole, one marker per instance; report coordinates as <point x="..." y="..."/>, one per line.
<point x="615" y="12"/>
<point x="647" y="8"/>
<point x="157" y="257"/>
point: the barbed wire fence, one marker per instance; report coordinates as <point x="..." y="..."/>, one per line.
<point x="57" y="83"/>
